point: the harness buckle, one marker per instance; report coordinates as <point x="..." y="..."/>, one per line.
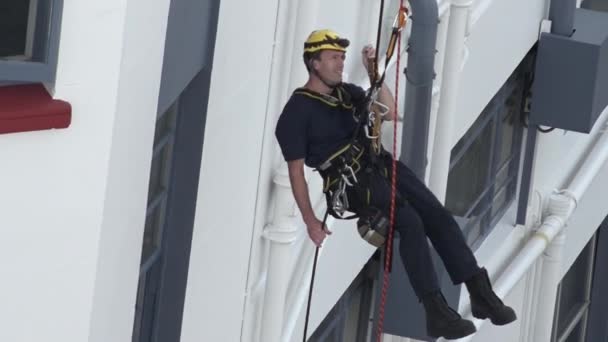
<point x="339" y="199"/>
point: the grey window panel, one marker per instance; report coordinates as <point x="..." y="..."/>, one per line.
<point x="43" y="63"/>
<point x="573" y="297"/>
<point x="597" y="329"/>
<point x="190" y="36"/>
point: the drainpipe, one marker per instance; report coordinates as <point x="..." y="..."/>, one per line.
<point x="281" y="233"/>
<point x="561" y="15"/>
<point x="419" y="75"/>
<point x="561" y="206"/>
<point x="547" y="291"/>
<point x="459" y="11"/>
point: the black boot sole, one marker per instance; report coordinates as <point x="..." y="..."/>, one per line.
<point x="494" y="320"/>
<point x="434" y="334"/>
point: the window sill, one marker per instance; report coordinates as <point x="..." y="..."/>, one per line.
<point x="29" y="107"/>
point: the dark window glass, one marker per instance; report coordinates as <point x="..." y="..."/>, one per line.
<point x="29" y="40"/>
<point x="485" y="161"/>
<point x="468" y="178"/>
<point x="598" y="5"/>
<point x="151" y="259"/>
<point x="14" y="16"/>
<point x="573" y="298"/>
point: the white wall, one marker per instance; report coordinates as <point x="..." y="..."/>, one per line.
<point x="59" y="255"/>
<point x="53" y="188"/>
<point x="128" y="171"/>
<point x="497" y="43"/>
<point x="228" y="186"/>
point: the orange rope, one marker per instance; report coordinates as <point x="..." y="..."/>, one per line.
<point x="389" y="241"/>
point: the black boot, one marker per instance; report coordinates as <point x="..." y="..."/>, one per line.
<point x="485" y="303"/>
<point x="442" y="321"/>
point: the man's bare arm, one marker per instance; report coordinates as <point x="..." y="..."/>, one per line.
<point x="299" y="187"/>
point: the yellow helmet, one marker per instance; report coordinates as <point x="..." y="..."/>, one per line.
<point x="325" y="40"/>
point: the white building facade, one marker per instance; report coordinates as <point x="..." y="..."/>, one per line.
<point x="164" y="211"/>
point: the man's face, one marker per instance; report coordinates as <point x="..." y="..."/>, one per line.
<point x="330" y="66"/>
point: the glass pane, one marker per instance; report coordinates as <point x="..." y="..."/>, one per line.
<point x="468" y="177"/>
<point x="160" y="172"/>
<point x="576" y="335"/>
<point x="14" y="16"/>
<point x="598" y="5"/>
<point x="508" y="130"/>
<point x="573" y="289"/>
<point x="502" y="196"/>
<point x="165" y="124"/>
<point x="155" y="184"/>
<point x="473" y="231"/>
<point x="503" y="174"/>
<point x="152" y="230"/>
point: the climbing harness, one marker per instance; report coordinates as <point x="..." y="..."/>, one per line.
<point x="345" y="170"/>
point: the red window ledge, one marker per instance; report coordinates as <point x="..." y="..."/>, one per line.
<point x="29" y="107"/>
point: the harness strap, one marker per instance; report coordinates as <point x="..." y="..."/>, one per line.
<point x="342" y="99"/>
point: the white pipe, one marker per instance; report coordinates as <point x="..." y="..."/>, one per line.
<point x="561" y="206"/>
<point x="454" y="49"/>
<point x="550" y="275"/>
<point x="442" y="33"/>
<point x="281" y="233"/>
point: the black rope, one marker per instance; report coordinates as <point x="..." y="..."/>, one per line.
<point x="312" y="280"/>
<point x="378" y="35"/>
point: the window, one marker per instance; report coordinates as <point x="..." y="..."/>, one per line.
<point x="350" y="319"/>
<point x="29" y="39"/>
<point x="574" y="298"/>
<point x="598" y="5"/>
<point x="152" y="251"/>
<point x="484" y="163"/>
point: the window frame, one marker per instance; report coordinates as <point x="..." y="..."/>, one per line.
<point x="493" y="117"/>
<point x="22" y="70"/>
<point x="578" y="315"/>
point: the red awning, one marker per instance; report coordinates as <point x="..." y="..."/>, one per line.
<point x="29" y="107"/>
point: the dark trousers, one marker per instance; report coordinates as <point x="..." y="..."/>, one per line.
<point x="420" y="215"/>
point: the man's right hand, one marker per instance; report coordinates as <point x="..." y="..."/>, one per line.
<point x="316" y="231"/>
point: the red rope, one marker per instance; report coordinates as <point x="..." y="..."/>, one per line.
<point x="389" y="241"/>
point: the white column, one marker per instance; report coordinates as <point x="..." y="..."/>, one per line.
<point x="281" y="233"/>
<point x="454" y="49"/>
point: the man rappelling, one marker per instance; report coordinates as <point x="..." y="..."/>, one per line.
<point x="325" y="125"/>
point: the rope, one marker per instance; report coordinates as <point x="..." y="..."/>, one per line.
<point x="389" y="241"/>
<point x="312" y="281"/>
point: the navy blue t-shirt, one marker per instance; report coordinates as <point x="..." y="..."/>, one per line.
<point x="312" y="129"/>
